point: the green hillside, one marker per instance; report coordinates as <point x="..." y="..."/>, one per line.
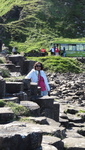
<point x="33" y="24"/>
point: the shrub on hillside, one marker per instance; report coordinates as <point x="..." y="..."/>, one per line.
<point x="60" y="64"/>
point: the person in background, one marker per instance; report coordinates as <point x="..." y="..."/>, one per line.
<point x="14" y="51"/>
<point x="64" y="52"/>
<point x="43" y="51"/>
<point x="52" y="51"/>
<point x="5" y="49"/>
<point x="57" y="51"/>
<point x="38" y="76"/>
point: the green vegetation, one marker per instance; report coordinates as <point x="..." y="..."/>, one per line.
<point x="2" y="103"/>
<point x="59" y="64"/>
<point x="81" y="111"/>
<point x="75" y="53"/>
<point x="18" y="110"/>
<point x="27" y="119"/>
<point x="69" y="40"/>
<point x="34" y="24"/>
<point x="2" y="60"/>
<point x="4" y="71"/>
<point x="14" y="79"/>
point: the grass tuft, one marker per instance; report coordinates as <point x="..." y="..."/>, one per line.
<point x="18" y="110"/>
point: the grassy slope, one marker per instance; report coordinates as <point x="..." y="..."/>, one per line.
<point x="59" y="64"/>
<point x="44" y="22"/>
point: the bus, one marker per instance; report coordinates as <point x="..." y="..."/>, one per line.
<point x="74" y="50"/>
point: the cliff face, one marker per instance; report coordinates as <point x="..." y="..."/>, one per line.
<point x="41" y="20"/>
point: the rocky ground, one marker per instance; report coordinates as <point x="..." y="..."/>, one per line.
<point x="44" y="133"/>
<point x="69" y="90"/>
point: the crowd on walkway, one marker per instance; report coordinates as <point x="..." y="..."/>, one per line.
<point x="56" y="51"/>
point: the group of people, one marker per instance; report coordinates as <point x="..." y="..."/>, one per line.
<point x="4" y="49"/>
<point x="56" y="51"/>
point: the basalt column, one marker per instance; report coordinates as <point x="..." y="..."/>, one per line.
<point x="48" y="107"/>
<point x="2" y="87"/>
<point x="0" y="45"/>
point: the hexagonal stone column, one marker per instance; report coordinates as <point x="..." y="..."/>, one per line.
<point x="2" y="87"/>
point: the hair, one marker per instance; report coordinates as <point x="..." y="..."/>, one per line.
<point x="37" y="64"/>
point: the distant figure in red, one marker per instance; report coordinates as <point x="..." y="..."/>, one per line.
<point x="43" y="51"/>
<point x="57" y="51"/>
